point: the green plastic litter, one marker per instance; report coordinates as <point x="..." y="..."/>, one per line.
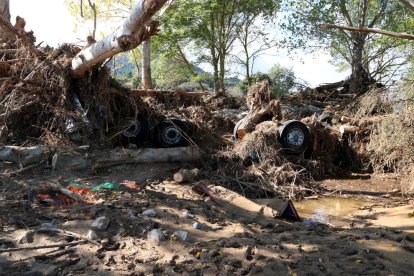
<point x="107" y="185"/>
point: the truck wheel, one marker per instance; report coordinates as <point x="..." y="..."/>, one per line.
<point x="171" y="133"/>
<point x="137" y="133"/>
<point x="294" y="137"/>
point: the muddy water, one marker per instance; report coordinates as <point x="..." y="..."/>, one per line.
<point x="329" y="210"/>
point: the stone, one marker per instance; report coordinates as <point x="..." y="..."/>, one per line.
<point x="349" y="251"/>
<point x="186" y="215"/>
<point x="156" y="235"/>
<point x="199" y="226"/>
<point x="92" y="235"/>
<point x="183" y="235"/>
<point x="27" y="237"/>
<point x="149" y="213"/>
<point x="100" y="223"/>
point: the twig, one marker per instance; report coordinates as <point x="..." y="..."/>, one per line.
<point x="41" y="247"/>
<point x="75" y="235"/>
<point x="9" y="174"/>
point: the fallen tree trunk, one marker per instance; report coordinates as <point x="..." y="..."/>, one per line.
<point x="124" y="156"/>
<point x="23" y="155"/>
<point x="186" y="175"/>
<point x="368" y="30"/>
<point x="133" y="32"/>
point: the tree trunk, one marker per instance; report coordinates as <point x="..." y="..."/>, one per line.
<point x="146" y="64"/>
<point x="359" y="74"/>
<point x="133" y="32"/>
<point x="222" y="72"/>
<point x="5" y="9"/>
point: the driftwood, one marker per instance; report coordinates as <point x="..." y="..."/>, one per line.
<point x="261" y="108"/>
<point x="186" y="175"/>
<point x="41" y="247"/>
<point x="124" y="156"/>
<point x="368" y="30"/>
<point x="348" y="129"/>
<point x="153" y="93"/>
<point x="23" y="155"/>
<point x="70" y="234"/>
<point x="133" y="32"/>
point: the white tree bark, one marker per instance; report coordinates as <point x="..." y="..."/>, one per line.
<point x="133" y="32"/>
<point x="146" y="64"/>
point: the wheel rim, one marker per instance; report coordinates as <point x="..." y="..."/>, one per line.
<point x="133" y="131"/>
<point x="295" y="138"/>
<point x="171" y="135"/>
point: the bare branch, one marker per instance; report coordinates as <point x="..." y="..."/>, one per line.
<point x="368" y="30"/>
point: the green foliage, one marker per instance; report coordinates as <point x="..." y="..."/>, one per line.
<point x="209" y="28"/>
<point x="380" y="55"/>
<point x="282" y="80"/>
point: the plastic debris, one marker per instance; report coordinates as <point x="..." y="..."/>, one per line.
<point x="156" y="235"/>
<point x="100" y="223"/>
<point x="183" y="235"/>
<point x="149" y="213"/>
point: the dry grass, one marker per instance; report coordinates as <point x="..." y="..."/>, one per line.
<point x="391" y="144"/>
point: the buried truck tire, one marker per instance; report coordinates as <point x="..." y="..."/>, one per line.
<point x="137" y="133"/>
<point x="294" y="136"/>
<point x="171" y="132"/>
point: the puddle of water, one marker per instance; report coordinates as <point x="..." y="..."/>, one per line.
<point x="334" y="211"/>
<point x="329" y="210"/>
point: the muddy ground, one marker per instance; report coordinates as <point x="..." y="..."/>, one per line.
<point x="343" y="234"/>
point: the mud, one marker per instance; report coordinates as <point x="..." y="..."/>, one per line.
<point x="359" y="236"/>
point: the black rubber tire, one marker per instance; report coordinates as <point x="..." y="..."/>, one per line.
<point x="137" y="133"/>
<point x="290" y="147"/>
<point x="170" y="133"/>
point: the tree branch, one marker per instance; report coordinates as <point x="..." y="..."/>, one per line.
<point x="368" y="30"/>
<point x="409" y="4"/>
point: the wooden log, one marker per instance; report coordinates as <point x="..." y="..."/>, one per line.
<point x="24" y="155"/>
<point x="125" y="156"/>
<point x="133" y="32"/>
<point x="348" y="129"/>
<point x="41" y="247"/>
<point x="186" y="175"/>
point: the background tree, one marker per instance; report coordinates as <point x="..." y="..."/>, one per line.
<point x="282" y="81"/>
<point x="213" y="26"/>
<point x="369" y="56"/>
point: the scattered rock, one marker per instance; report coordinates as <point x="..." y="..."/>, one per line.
<point x="156" y="235"/>
<point x="199" y="226"/>
<point x="92" y="235"/>
<point x="349" y="251"/>
<point x="149" y="213"/>
<point x="131" y="216"/>
<point x="186" y="215"/>
<point x="27" y="237"/>
<point x="100" y="223"/>
<point x="183" y="235"/>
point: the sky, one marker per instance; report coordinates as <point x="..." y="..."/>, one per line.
<point x="52" y="23"/>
